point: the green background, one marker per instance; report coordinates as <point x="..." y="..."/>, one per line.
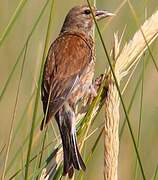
<point x="9" y="51"/>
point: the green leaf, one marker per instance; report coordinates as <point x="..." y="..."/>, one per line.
<point x="12" y="20"/>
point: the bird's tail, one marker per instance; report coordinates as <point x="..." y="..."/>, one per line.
<point x="72" y="157"/>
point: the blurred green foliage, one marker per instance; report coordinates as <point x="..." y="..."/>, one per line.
<point x="12" y="46"/>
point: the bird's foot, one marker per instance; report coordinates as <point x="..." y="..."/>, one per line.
<point x="93" y="90"/>
<point x="95" y="87"/>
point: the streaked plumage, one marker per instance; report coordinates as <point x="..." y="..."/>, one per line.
<point x="67" y="78"/>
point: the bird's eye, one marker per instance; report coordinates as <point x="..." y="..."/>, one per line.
<point x="87" y="11"/>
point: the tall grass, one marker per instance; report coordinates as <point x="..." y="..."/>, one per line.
<point x="37" y="95"/>
<point x="125" y="60"/>
<point x="90" y="129"/>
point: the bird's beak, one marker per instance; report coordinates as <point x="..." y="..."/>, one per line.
<point x="100" y="14"/>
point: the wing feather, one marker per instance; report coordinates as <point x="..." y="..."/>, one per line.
<point x="67" y="58"/>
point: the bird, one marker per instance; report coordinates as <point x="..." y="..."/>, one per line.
<point x="67" y="78"/>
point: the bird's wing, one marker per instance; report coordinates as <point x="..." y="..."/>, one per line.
<point x="68" y="56"/>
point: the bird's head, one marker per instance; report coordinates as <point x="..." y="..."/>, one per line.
<point x="80" y="19"/>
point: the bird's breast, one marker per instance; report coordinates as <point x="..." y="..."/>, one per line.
<point x="84" y="84"/>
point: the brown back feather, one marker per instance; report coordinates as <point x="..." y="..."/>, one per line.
<point x="68" y="56"/>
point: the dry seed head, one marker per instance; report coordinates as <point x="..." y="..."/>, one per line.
<point x="132" y="51"/>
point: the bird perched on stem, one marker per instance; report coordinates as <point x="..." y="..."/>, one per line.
<point x="67" y="78"/>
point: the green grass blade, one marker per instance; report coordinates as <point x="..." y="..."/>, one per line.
<point x="17" y="130"/>
<point x="90" y="116"/>
<point x="44" y="56"/>
<point x="156" y="174"/>
<point x="120" y="95"/>
<point x="92" y="151"/>
<point x="133" y="97"/>
<point x="42" y="148"/>
<point x="130" y="106"/>
<point x="22" y="50"/>
<point x="18" y="152"/>
<point x="98" y="101"/>
<point x="12" y="20"/>
<point x="35" y="111"/>
<point x="59" y="168"/>
<point x="11" y="73"/>
<point x="140" y="117"/>
<point x="33" y="158"/>
<point x="137" y="22"/>
<point x="22" y="117"/>
<point x="13" y="115"/>
<point x="2" y="149"/>
<point x="31" y="135"/>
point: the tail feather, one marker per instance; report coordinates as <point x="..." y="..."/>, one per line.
<point x="72" y="158"/>
<point x="70" y="172"/>
<point x="76" y="157"/>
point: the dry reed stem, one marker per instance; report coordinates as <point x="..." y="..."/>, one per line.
<point x="111" y="134"/>
<point x="125" y="60"/>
